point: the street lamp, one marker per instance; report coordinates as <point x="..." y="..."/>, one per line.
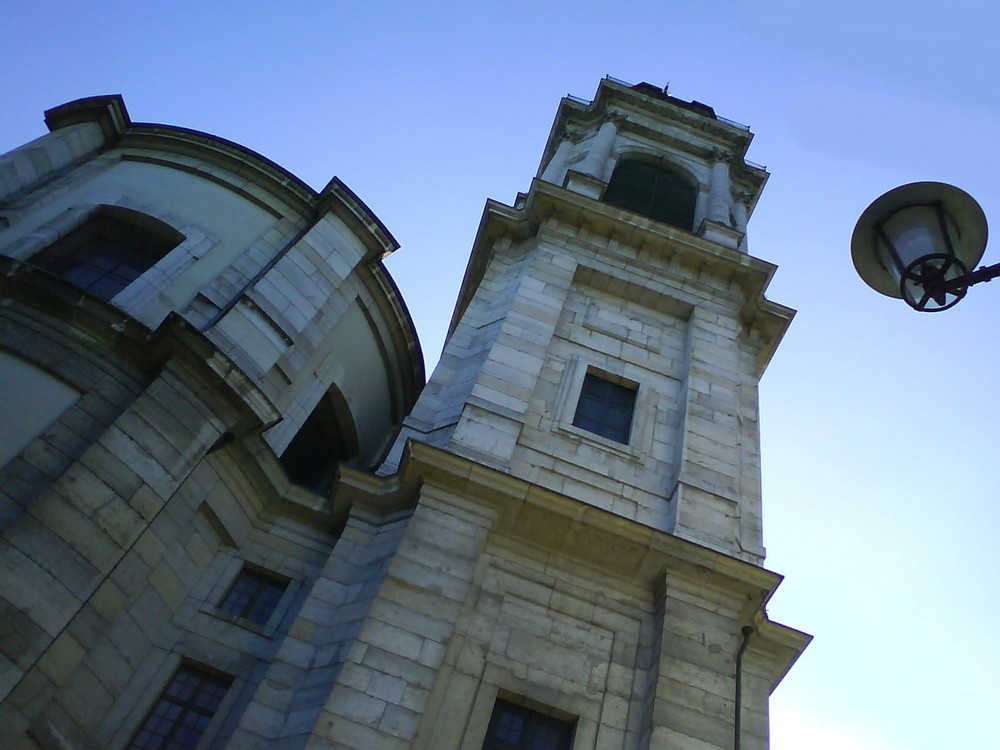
<point x="918" y="242"/>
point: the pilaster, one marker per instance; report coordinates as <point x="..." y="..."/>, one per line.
<point x="720" y="199"/>
<point x="690" y="703"/>
<point x="714" y="491"/>
<point x="384" y="684"/>
<point x="499" y="401"/>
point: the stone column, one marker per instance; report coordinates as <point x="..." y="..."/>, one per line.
<point x="599" y="151"/>
<point x="720" y="199"/>
<point x="741" y="209"/>
<point x="556" y="168"/>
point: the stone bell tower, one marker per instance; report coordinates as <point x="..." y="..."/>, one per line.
<point x="611" y="328"/>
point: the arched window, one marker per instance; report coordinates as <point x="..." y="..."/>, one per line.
<point x="109" y="251"/>
<point x="653" y="191"/>
<point x="320" y="444"/>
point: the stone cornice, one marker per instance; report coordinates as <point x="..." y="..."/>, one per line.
<point x="205" y="149"/>
<point x="354" y="212"/>
<point x="107" y="111"/>
<point x="579" y="534"/>
<point x="376" y="498"/>
<point x="582" y="534"/>
<point x="590" y="535"/>
<point x="768" y="320"/>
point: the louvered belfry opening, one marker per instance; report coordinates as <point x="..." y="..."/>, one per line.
<point x="653" y="190"/>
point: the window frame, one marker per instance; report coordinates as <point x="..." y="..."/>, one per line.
<point x="533" y="721"/>
<point x="639" y="448"/>
<point x="227" y="573"/>
<point x="622" y="193"/>
<point x="162" y="696"/>
<point x="600" y="393"/>
<point x="139" y="242"/>
<point x="262" y="577"/>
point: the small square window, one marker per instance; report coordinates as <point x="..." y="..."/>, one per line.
<point x="605" y="408"/>
<point x="182" y="712"/>
<point x="514" y="727"/>
<point x="253" y="596"/>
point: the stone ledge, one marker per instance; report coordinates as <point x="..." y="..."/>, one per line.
<point x="616" y="546"/>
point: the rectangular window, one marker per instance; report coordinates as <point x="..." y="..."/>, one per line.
<point x="605" y="408"/>
<point x="515" y="727"/>
<point x="182" y="712"/>
<point x="253" y="596"/>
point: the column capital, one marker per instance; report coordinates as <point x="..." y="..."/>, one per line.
<point x="721" y="156"/>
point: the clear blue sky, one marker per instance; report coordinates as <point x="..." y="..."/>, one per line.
<point x="879" y="424"/>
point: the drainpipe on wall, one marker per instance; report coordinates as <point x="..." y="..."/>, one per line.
<point x="747" y="632"/>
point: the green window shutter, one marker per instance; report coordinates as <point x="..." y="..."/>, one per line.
<point x="651" y="190"/>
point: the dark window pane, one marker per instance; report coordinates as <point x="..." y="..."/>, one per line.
<point x="514" y="727"/>
<point x="181" y="714"/>
<point x="605" y="408"/>
<point x="253" y="596"/>
<point x="653" y="191"/>
<point x="109" y="251"/>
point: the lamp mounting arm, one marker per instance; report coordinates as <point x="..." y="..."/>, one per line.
<point x="983" y="273"/>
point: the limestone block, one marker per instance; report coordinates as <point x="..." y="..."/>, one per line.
<point x="350" y="735"/>
<point x="61" y="659"/>
<point x="87" y="699"/>
<point x="132" y="641"/>
<point x="170" y="588"/>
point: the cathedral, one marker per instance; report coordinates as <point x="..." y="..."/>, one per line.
<point x="234" y="515"/>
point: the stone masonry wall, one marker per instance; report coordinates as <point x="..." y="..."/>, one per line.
<point x="439" y="408"/>
<point x="465" y="614"/>
<point x="296" y="686"/>
<point x="614" y="338"/>
<point x="106" y="386"/>
<point x="577" y="303"/>
<point x="83" y="525"/>
<point x="155" y="607"/>
<point x="45" y="156"/>
<point x="385" y="683"/>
